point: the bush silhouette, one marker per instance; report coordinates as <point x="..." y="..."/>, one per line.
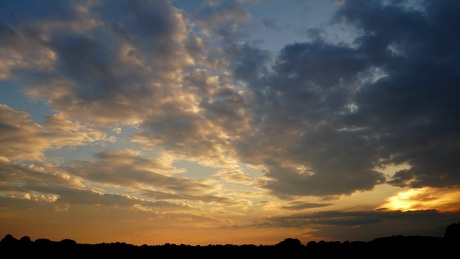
<point x="452" y="232"/>
<point x="290" y="243"/>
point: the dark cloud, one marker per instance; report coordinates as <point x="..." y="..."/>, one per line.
<point x="318" y="118"/>
<point x="303" y="205"/>
<point x="412" y="111"/>
<point x="300" y="107"/>
<point x="248" y="63"/>
<point x="366" y="226"/>
<point x="341" y="110"/>
<point x="271" y="24"/>
<point x="222" y="20"/>
<point x="209" y="199"/>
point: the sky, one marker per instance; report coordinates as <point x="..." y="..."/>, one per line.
<point x="228" y="122"/>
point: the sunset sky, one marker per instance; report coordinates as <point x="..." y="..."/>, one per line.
<point x="228" y="122"/>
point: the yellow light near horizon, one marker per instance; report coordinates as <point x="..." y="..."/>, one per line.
<point x="445" y="200"/>
<point x="401" y="201"/>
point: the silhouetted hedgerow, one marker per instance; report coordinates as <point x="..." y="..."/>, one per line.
<point x="411" y="246"/>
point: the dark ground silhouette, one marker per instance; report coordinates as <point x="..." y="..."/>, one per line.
<point x="410" y="246"/>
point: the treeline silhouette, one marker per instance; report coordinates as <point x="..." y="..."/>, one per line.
<point x="411" y="246"/>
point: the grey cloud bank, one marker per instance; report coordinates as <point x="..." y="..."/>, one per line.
<point x="336" y="110"/>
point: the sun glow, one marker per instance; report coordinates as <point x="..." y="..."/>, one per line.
<point x="425" y="199"/>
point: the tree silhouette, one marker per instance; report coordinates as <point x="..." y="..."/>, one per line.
<point x="452" y="232"/>
<point x="290" y="243"/>
<point x="407" y="246"/>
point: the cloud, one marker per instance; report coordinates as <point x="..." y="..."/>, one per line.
<point x="16" y="52"/>
<point x="366" y="226"/>
<point x="122" y="65"/>
<point x="208" y="199"/>
<point x="341" y="110"/>
<point x="235" y="176"/>
<point x="35" y="183"/>
<point x="127" y="168"/>
<point x="23" y="139"/>
<point x="58" y="199"/>
<point x="19" y="132"/>
<point x="299" y="205"/>
<point x="318" y="118"/>
<point x="270" y="24"/>
<point x="41" y="185"/>
<point x="222" y="19"/>
<point x="411" y="111"/>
